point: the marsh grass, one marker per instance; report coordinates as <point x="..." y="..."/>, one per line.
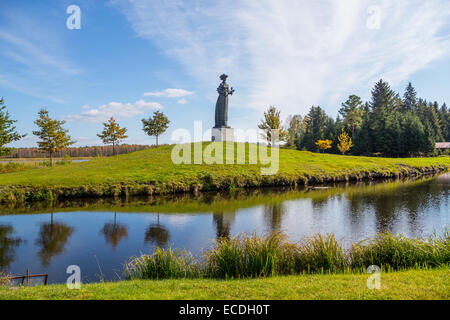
<point x="399" y="252"/>
<point x="162" y="264"/>
<point x="252" y="256"/>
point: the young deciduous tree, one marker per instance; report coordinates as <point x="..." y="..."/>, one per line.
<point x="8" y="132"/>
<point x="324" y="144"/>
<point x="345" y="142"/>
<point x="112" y="133"/>
<point x="156" y="125"/>
<point x="52" y="135"/>
<point x="271" y="122"/>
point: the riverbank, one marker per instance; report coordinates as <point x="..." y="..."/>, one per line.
<point x="402" y="285"/>
<point x="152" y="172"/>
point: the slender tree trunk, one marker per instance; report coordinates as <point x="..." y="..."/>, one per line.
<point x="156" y="140"/>
<point x="114" y="151"/>
<point x="51" y="159"/>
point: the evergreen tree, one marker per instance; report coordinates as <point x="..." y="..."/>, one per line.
<point x="8" y="131"/>
<point x="410" y="98"/>
<point x="382" y="112"/>
<point x="413" y="134"/>
<point x="362" y="140"/>
<point x="315" y="129"/>
<point x="352" y="112"/>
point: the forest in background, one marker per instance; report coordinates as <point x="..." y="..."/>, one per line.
<point x="387" y="125"/>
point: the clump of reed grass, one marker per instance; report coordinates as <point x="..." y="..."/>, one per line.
<point x="320" y="253"/>
<point x="252" y="256"/>
<point x="162" y="264"/>
<point x="248" y="256"/>
<point x="399" y="252"/>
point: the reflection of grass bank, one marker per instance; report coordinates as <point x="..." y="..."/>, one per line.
<point x="412" y="284"/>
<point x="151" y="172"/>
<point x="224" y="201"/>
<point x="253" y="256"/>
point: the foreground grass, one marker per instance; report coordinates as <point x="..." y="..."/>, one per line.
<point x="153" y="172"/>
<point x="412" y="284"/>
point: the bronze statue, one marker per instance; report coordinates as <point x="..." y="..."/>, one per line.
<point x="222" y="103"/>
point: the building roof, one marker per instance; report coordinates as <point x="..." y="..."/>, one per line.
<point x="442" y="145"/>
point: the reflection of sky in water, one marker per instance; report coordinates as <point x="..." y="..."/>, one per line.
<point x="98" y="236"/>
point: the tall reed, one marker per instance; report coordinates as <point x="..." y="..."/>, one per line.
<point x="162" y="264"/>
<point x="399" y="252"/>
<point x="252" y="256"/>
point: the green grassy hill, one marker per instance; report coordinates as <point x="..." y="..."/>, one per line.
<point x="152" y="171"/>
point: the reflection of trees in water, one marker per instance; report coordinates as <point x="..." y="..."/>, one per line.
<point x="8" y="245"/>
<point x="114" y="232"/>
<point x="52" y="239"/>
<point x="388" y="203"/>
<point x="273" y="215"/>
<point x="157" y="234"/>
<point x="223" y="222"/>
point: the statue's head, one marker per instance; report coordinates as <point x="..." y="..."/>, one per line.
<point x="223" y="77"/>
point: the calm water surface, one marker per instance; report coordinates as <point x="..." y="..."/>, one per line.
<point x="100" y="235"/>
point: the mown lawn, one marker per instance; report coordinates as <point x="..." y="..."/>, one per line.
<point x="412" y="284"/>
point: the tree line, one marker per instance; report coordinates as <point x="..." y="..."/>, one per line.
<point x="387" y="125"/>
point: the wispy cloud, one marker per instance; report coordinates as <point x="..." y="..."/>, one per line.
<point x="169" y="93"/>
<point x="27" y="53"/>
<point x="117" y="110"/>
<point x="294" y="53"/>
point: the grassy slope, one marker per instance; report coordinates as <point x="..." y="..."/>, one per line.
<point x="412" y="284"/>
<point x="154" y="167"/>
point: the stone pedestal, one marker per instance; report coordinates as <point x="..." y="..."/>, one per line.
<point x="222" y="134"/>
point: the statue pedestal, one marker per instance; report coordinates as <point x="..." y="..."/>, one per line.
<point x="222" y="134"/>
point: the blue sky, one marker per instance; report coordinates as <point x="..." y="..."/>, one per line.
<point x="133" y="57"/>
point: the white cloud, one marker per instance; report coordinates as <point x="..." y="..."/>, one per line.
<point x="294" y="53"/>
<point x="117" y="110"/>
<point x="169" y="93"/>
<point x="182" y="101"/>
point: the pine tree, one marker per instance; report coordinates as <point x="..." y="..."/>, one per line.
<point x="382" y="107"/>
<point x="53" y="137"/>
<point x="8" y="131"/>
<point x="112" y="133"/>
<point x="156" y="125"/>
<point x="352" y="112"/>
<point x="410" y="98"/>
<point x="362" y="140"/>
